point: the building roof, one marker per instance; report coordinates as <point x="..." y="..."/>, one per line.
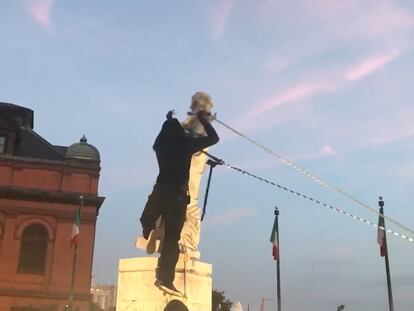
<point x="83" y="151"/>
<point x="8" y="123"/>
<point x="29" y="144"/>
<point x="24" y="116"/>
<point x="32" y="145"/>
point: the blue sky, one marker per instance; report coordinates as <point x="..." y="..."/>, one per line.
<point x="325" y="83"/>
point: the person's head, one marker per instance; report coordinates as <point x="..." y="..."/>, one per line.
<point x="172" y="130"/>
<point x="175" y="305"/>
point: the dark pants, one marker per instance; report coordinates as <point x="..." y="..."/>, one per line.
<point x="172" y="207"/>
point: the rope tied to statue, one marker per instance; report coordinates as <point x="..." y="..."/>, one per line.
<point x="213" y="162"/>
<point x="312" y="176"/>
<point x="220" y="162"/>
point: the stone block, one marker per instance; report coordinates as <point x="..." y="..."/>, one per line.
<point x="136" y="289"/>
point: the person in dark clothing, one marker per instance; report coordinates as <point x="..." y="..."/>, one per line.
<point x="175" y="305"/>
<point x="169" y="197"/>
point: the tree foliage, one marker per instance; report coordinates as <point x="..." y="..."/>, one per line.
<point x="220" y="302"/>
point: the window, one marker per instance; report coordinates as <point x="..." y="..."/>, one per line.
<point x="33" y="249"/>
<point x="2" y="144"/>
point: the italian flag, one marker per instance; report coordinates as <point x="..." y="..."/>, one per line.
<point x="381" y="236"/>
<point x="75" y="230"/>
<point x="274" y="239"/>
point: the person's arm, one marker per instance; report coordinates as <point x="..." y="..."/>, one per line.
<point x="199" y="143"/>
<point x="158" y="140"/>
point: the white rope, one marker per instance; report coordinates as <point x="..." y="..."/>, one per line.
<point x="313" y="177"/>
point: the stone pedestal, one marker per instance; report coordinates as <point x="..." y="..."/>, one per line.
<point x="136" y="290"/>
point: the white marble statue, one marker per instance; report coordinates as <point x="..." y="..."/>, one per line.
<point x="190" y="235"/>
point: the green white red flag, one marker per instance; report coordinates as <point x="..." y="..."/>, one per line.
<point x="381" y="236"/>
<point x="74" y="239"/>
<point x="274" y="239"/>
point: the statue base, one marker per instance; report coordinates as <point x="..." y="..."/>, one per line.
<point x="136" y="289"/>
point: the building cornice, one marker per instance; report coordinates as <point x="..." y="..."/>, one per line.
<point x="14" y="161"/>
<point x="38" y="195"/>
<point x="43" y="295"/>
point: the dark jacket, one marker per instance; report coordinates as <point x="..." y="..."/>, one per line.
<point x="174" y="150"/>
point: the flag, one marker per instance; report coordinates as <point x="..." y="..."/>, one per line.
<point x="75" y="230"/>
<point x="274" y="239"/>
<point x="381" y="235"/>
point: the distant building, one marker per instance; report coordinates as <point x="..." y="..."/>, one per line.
<point x="40" y="186"/>
<point x="104" y="296"/>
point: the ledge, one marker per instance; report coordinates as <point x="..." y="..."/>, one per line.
<point x="49" y="196"/>
<point x="43" y="294"/>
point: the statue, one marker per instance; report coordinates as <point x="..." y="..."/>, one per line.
<point x="190" y="235"/>
<point x="171" y="220"/>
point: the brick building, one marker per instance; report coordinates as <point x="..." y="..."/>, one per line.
<point x="104" y="295"/>
<point x="40" y="186"/>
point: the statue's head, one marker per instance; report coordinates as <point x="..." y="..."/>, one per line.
<point x="201" y="101"/>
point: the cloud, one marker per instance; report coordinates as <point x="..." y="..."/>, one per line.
<point x="229" y="216"/>
<point x="220" y="16"/>
<point x="40" y="11"/>
<point x="274" y="66"/>
<point x="285" y="105"/>
<point x="292" y="94"/>
<point x="370" y="65"/>
<point x="327" y="151"/>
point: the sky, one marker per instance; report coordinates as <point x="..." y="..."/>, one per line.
<point x="326" y="83"/>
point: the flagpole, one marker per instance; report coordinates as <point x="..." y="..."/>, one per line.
<point x="387" y="263"/>
<point x="279" y="299"/>
<point x="75" y="256"/>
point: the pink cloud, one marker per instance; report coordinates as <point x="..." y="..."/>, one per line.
<point x="292" y="94"/>
<point x="40" y="11"/>
<point x="327" y="151"/>
<point x="370" y="65"/>
<point x="220" y="17"/>
<point x="292" y="102"/>
<point x="382" y="19"/>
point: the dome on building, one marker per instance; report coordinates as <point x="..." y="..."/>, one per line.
<point x="83" y="151"/>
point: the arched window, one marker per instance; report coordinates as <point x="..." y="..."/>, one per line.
<point x="33" y="249"/>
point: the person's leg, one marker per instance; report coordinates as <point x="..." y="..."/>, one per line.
<point x="174" y="217"/>
<point x="151" y="213"/>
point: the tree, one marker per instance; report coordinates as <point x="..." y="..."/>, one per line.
<point x="220" y="302"/>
